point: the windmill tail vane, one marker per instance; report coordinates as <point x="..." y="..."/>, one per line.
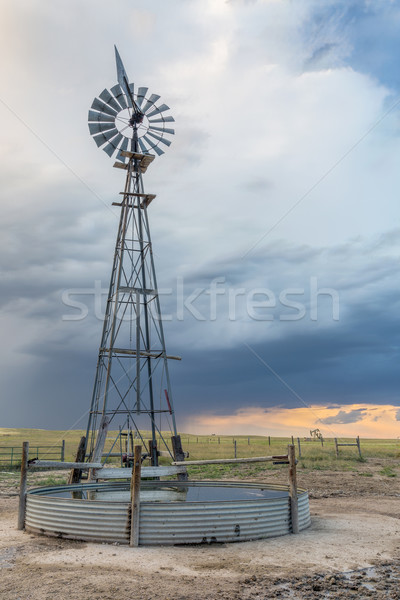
<point x="122" y="119"/>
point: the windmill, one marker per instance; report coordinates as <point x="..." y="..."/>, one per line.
<point x="132" y="388"/>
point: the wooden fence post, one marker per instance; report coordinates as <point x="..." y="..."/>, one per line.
<point x="234" y="443"/>
<point x="22" y="487"/>
<point x="179" y="455"/>
<point x="135" y="497"/>
<point x="298" y="443"/>
<point x="75" y="474"/>
<point x="336" y="448"/>
<point x="63" y="451"/>
<point x="294" y="508"/>
<point x="292" y="441"/>
<point x="358" y="445"/>
<point x="269" y="440"/>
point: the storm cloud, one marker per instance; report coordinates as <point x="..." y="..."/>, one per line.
<point x="342" y="417"/>
<point x="275" y="226"/>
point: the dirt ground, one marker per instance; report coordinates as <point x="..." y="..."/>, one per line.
<point x="351" y="550"/>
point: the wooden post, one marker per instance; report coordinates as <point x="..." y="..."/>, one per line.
<point x="234" y="443"/>
<point x="135" y="496"/>
<point x="179" y="455"/>
<point x="22" y="487"/>
<point x="336" y="448"/>
<point x="358" y="445"/>
<point x="248" y="441"/>
<point x="63" y="451"/>
<point x="292" y="441"/>
<point x="75" y="474"/>
<point x="294" y="508"/>
<point x="150" y="447"/>
<point x="322" y="441"/>
<point x="219" y="440"/>
<point x="269" y="440"/>
<point x="100" y="442"/>
<point x="298" y="443"/>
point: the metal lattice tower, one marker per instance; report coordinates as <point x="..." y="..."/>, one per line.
<point x="132" y="388"/>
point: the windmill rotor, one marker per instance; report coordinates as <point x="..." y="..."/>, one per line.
<point x="122" y="119"/>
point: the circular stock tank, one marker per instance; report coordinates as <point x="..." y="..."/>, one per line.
<point x="171" y="512"/>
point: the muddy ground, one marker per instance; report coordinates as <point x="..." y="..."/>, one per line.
<point x="351" y="550"/>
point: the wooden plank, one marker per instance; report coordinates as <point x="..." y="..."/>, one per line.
<point x="53" y="464"/>
<point x="141" y="352"/>
<point x="225" y="461"/>
<point x="294" y="507"/>
<point x="135" y="497"/>
<point x="121" y="473"/>
<point x="75" y="475"/>
<point x="100" y="442"/>
<point x="121" y="204"/>
<point x="139" y="195"/>
<point x="179" y="455"/>
<point x="23" y="485"/>
<point x="101" y="438"/>
<point x="119" y="165"/>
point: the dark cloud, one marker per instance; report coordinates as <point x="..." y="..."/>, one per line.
<point x="351" y="360"/>
<point x="343" y="417"/>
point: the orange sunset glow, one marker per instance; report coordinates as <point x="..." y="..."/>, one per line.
<point x="365" y="420"/>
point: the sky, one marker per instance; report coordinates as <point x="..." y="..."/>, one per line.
<point x="276" y="224"/>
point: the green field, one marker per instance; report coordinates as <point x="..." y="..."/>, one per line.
<point x="314" y="456"/>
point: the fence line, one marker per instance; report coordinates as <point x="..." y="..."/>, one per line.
<point x="12" y="455"/>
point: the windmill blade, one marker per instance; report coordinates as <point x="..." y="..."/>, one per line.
<point x="160" y="139"/>
<point x="100" y="127"/>
<point x="153" y="146"/>
<point x="103" y="107"/>
<point x="158" y="150"/>
<point x="142" y="91"/>
<point x="162" y="120"/>
<point x="99" y="116"/>
<point x="158" y="110"/>
<point x="153" y="98"/>
<point x="148" y="141"/>
<point x="119" y="95"/>
<point x="142" y="146"/>
<point x="171" y="131"/>
<point x="113" y="145"/>
<point x="108" y="99"/>
<point x="123" y="148"/>
<point x="105" y="137"/>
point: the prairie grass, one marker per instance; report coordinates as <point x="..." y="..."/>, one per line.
<point x="314" y="456"/>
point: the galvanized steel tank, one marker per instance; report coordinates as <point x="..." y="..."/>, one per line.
<point x="99" y="513"/>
